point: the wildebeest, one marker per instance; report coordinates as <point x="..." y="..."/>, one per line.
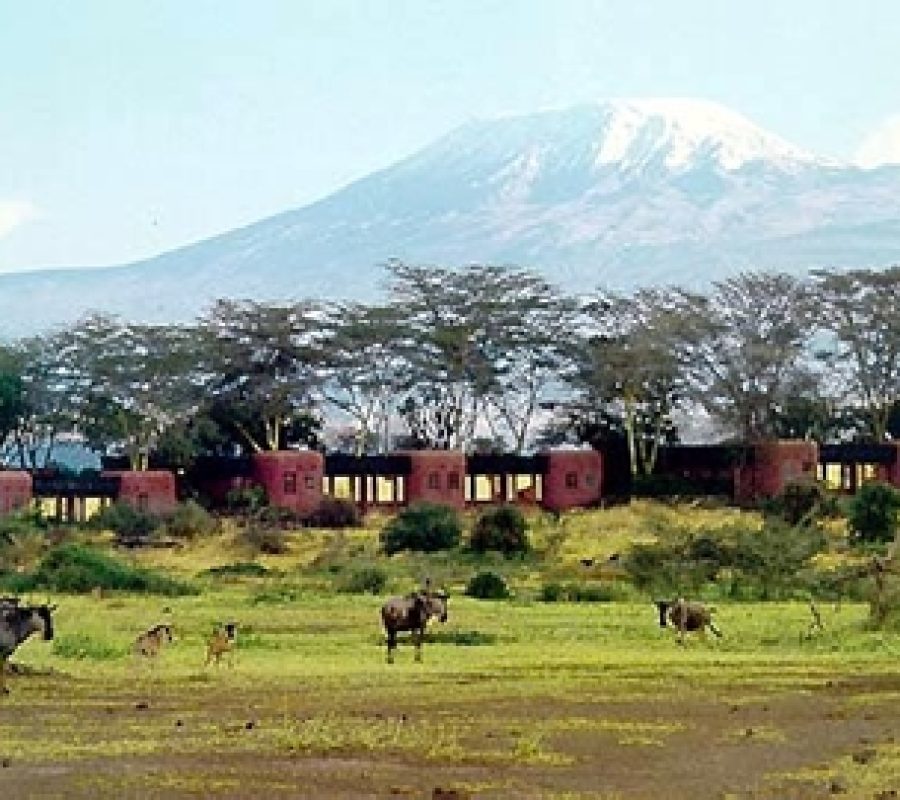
<point x="411" y="613"/>
<point x="686" y="616"/>
<point x="152" y="641"/>
<point x="221" y="642"/>
<point x="17" y="623"/>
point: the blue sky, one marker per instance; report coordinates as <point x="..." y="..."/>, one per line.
<point x="129" y="127"/>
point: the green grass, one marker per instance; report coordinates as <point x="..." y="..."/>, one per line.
<point x="506" y="685"/>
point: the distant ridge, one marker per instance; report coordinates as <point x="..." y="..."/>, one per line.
<point x="623" y="192"/>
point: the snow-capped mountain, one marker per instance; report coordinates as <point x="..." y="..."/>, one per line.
<point x="620" y="193"/>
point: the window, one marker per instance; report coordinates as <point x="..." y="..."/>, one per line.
<point x="453" y="481"/>
<point x="590" y="479"/>
<point x="143" y="502"/>
<point x="290" y="483"/>
<point x="310" y="481"/>
<point x="434" y="480"/>
<point x="571" y="480"/>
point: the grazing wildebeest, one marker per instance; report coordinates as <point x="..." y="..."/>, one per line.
<point x="411" y="613"/>
<point x="687" y="616"/>
<point x="221" y="642"/>
<point x="152" y="641"/>
<point x="17" y="623"/>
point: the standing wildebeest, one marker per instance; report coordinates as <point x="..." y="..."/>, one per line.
<point x="17" y="623"/>
<point x="686" y="616"/>
<point x="411" y="613"/>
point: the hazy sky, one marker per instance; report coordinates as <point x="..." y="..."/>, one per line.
<point x="128" y="127"/>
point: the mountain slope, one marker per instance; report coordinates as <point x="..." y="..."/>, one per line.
<point x="623" y="193"/>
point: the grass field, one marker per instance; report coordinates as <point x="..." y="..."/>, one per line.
<point x="514" y="699"/>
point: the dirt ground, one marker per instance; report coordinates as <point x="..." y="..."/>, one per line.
<point x="681" y="743"/>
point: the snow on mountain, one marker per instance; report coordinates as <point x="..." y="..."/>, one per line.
<point x="620" y="193"/>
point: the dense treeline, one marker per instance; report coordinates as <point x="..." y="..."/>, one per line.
<point x="483" y="357"/>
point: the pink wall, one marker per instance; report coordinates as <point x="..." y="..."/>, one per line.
<point x="15" y="490"/>
<point x="574" y="478"/>
<point x="436" y="476"/>
<point x="775" y="464"/>
<point x="292" y="478"/>
<point x="151" y="490"/>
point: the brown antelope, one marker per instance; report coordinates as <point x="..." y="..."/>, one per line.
<point x="151" y="642"/>
<point x="221" y="642"/>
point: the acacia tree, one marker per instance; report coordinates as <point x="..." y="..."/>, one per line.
<point x="527" y="350"/>
<point x="447" y="374"/>
<point x="52" y="392"/>
<point x="364" y="369"/>
<point x="742" y="348"/>
<point x="12" y="393"/>
<point x="481" y="344"/>
<point x="859" y="309"/>
<point x="262" y="364"/>
<point x="627" y="371"/>
<point x="138" y="381"/>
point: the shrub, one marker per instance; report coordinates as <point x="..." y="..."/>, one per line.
<point x="575" y="593"/>
<point x="129" y="524"/>
<point x="487" y="586"/>
<point x="334" y="512"/>
<point x="241" y="569"/>
<point x="246" y="500"/>
<point x="422" y="527"/>
<point x="367" y="580"/>
<point x="503" y="529"/>
<point x="260" y="538"/>
<point x="77" y="569"/>
<point x="277" y="517"/>
<point x="19" y="525"/>
<point x="872" y="513"/>
<point x="189" y="520"/>
<point x="802" y="501"/>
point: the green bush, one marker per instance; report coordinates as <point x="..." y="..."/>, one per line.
<point x="258" y="537"/>
<point x="872" y="513"/>
<point x="77" y="569"/>
<point x="366" y="580"/>
<point x="502" y="529"/>
<point x="241" y="569"/>
<point x="189" y="520"/>
<point x="334" y="512"/>
<point x="802" y="502"/>
<point x="128" y="523"/>
<point x="735" y="560"/>
<point x="487" y="586"/>
<point x="575" y="593"/>
<point x="423" y="527"/>
<point x="20" y="525"/>
<point x="246" y="500"/>
<point x="277" y="517"/>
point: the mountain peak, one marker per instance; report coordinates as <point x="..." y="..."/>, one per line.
<point x="634" y="135"/>
<point x="683" y="130"/>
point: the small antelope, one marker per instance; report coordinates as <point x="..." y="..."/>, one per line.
<point x="150" y="643"/>
<point x="221" y="642"/>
